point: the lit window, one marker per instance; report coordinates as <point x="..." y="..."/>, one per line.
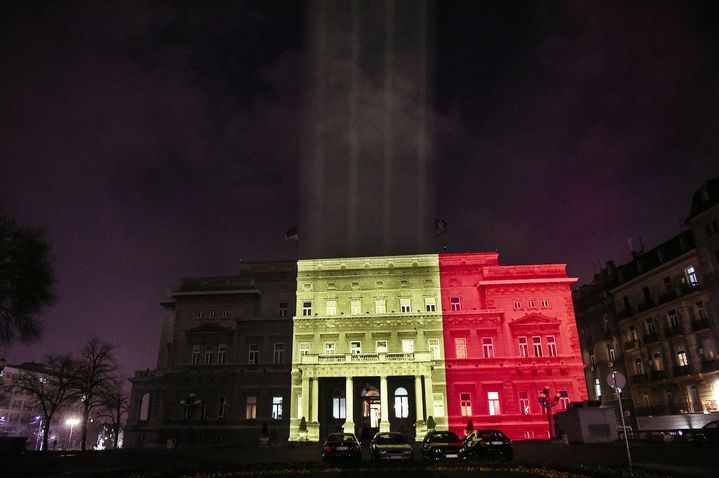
<point x="430" y="304"/>
<point x="380" y="306"/>
<point x="465" y="403"/>
<point x="254" y="354"/>
<point x="405" y="305"/>
<point x="433" y="346"/>
<point x="681" y="357"/>
<point x="221" y="407"/>
<point x="691" y="276"/>
<point x="551" y="346"/>
<point x="454" y="304"/>
<point x="537" y="345"/>
<point x="438" y="402"/>
<point x="597" y="388"/>
<point x="338" y="406"/>
<point x="523" y="351"/>
<point x="277" y="408"/>
<point x="493" y="400"/>
<point x="355" y="307"/>
<point x="331" y="307"/>
<point x="487" y="347"/>
<point x="195" y="358"/>
<point x="251" y="407"/>
<point x="329" y="348"/>
<point x="401" y="403"/>
<point x="355" y="347"/>
<point x="381" y="346"/>
<point x="221" y="354"/>
<point x="209" y="352"/>
<point x="524" y="405"/>
<point x="306" y="308"/>
<point x="407" y="346"/>
<point x="517" y="304"/>
<point x="460" y="348"/>
<point x="304" y="348"/>
<point x="282" y="309"/>
<point x="279" y="353"/>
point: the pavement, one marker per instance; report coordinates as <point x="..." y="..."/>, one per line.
<point x="666" y="459"/>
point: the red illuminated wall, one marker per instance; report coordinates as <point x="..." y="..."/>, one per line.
<point x="497" y="307"/>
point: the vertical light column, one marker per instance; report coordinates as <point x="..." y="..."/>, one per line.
<point x="306" y="398"/>
<point x="349" y="426"/>
<point x="418" y="397"/>
<point x="429" y="395"/>
<point x="384" y="402"/>
<point x="315" y="399"/>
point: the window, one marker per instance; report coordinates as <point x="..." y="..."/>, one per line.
<point x="537" y="346"/>
<point x="700" y="311"/>
<point x="331" y="286"/>
<point x="277" y="408"/>
<point x="195" y="358"/>
<point x="530" y="303"/>
<point x="465" y="403"/>
<point x="563" y="399"/>
<point x="200" y="315"/>
<point x="282" y="310"/>
<point x="430" y="304"/>
<point x="355" y="307"/>
<point x="254" y="354"/>
<point x="593" y="360"/>
<point x="551" y="346"/>
<point x="493" y="400"/>
<point x="673" y="319"/>
<point x="379" y="284"/>
<point x="407" y="346"/>
<point x="405" y="305"/>
<point x="657" y="361"/>
<point x="381" y="346"/>
<point x="691" y="276"/>
<point x="605" y="322"/>
<point x="517" y="304"/>
<point x="454" y="304"/>
<point x="251" y="407"/>
<point x="460" y="347"/>
<point x="523" y="352"/>
<point x="279" y="355"/>
<point x="404" y="283"/>
<point x="211" y="314"/>
<point x="638" y="366"/>
<point x="380" y="306"/>
<point x="612" y="356"/>
<point x="209" y="352"/>
<point x="145" y="407"/>
<point x="338" y="405"/>
<point x="331" y="307"/>
<point x="222" y="402"/>
<point x="401" y="403"/>
<point x="329" y="348"/>
<point x="306" y="308"/>
<point x="681" y="356"/>
<point x="487" y="347"/>
<point x="545" y="303"/>
<point x="438" y="402"/>
<point x="355" y="285"/>
<point x="225" y="314"/>
<point x="597" y="388"/>
<point x="304" y="348"/>
<point x="221" y="354"/>
<point x="355" y="347"/>
<point x="524" y="406"/>
<point x="300" y="413"/>
<point x="649" y="323"/>
<point x="433" y="346"/>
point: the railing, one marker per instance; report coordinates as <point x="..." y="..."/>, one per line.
<point x="667" y="297"/>
<point x="710" y="365"/>
<point x="646" y="306"/>
<point x="631" y="344"/>
<point x="625" y="313"/>
<point x="700" y="324"/>
<point x="651" y="337"/>
<point x="658" y="374"/>
<point x="674" y="331"/>
<point x="641" y="378"/>
<point x="366" y="357"/>
<point x="681" y="370"/>
<point x="400" y="357"/>
<point x="325" y="358"/>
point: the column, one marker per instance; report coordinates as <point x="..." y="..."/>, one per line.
<point x="418" y="397"/>
<point x="305" y="412"/>
<point x="349" y="426"/>
<point x="315" y="399"/>
<point x="384" y="402"/>
<point x="429" y="396"/>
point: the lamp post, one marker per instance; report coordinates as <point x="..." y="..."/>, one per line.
<point x="189" y="403"/>
<point x="72" y="422"/>
<point x="547" y="403"/>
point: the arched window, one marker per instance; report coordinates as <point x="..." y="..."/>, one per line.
<point x="401" y="403"/>
<point x="145" y="407"/>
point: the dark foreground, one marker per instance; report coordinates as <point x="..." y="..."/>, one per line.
<point x="531" y="459"/>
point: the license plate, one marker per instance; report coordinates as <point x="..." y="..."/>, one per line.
<point x="342" y="448"/>
<point x="452" y="455"/>
<point x="497" y="443"/>
<point x="396" y="457"/>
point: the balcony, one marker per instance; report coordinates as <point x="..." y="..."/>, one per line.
<point x="710" y="365"/>
<point x="659" y="375"/>
<point x="700" y="324"/>
<point x="674" y="331"/>
<point x="625" y="313"/>
<point x="366" y="358"/>
<point x="646" y="306"/>
<point x="631" y="345"/>
<point x="641" y="378"/>
<point x="651" y="338"/>
<point x="687" y="289"/>
<point x="668" y="297"/>
<point x="681" y="370"/>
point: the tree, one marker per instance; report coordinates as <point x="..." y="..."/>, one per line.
<point x="50" y="387"/>
<point x="113" y="406"/>
<point x="95" y="373"/>
<point x="26" y="280"/>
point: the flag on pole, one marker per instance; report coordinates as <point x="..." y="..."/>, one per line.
<point x="440" y="227"/>
<point x="292" y="234"/>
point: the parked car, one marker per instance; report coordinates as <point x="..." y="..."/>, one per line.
<point x="709" y="433"/>
<point x="390" y="446"/>
<point x="441" y="445"/>
<point x="341" y="446"/>
<point x="491" y="444"/>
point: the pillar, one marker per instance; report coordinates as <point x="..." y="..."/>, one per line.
<point x="384" y="402"/>
<point x="315" y="399"/>
<point x="418" y="398"/>
<point x="429" y="396"/>
<point x="349" y="426"/>
<point x="305" y="398"/>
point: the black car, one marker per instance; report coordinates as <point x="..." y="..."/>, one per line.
<point x="341" y="446"/>
<point x="709" y="434"/>
<point x="390" y="446"/>
<point x="491" y="444"/>
<point x="440" y="446"/>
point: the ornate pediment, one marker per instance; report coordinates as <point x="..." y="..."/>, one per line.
<point x="534" y="321"/>
<point x="210" y="329"/>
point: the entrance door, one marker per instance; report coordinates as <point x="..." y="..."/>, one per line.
<point x="371" y="411"/>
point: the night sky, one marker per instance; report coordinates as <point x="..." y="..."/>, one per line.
<point x="159" y="140"/>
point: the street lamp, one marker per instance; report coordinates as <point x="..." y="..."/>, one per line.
<point x="547" y="403"/>
<point x="189" y="403"/>
<point x="72" y="422"/>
